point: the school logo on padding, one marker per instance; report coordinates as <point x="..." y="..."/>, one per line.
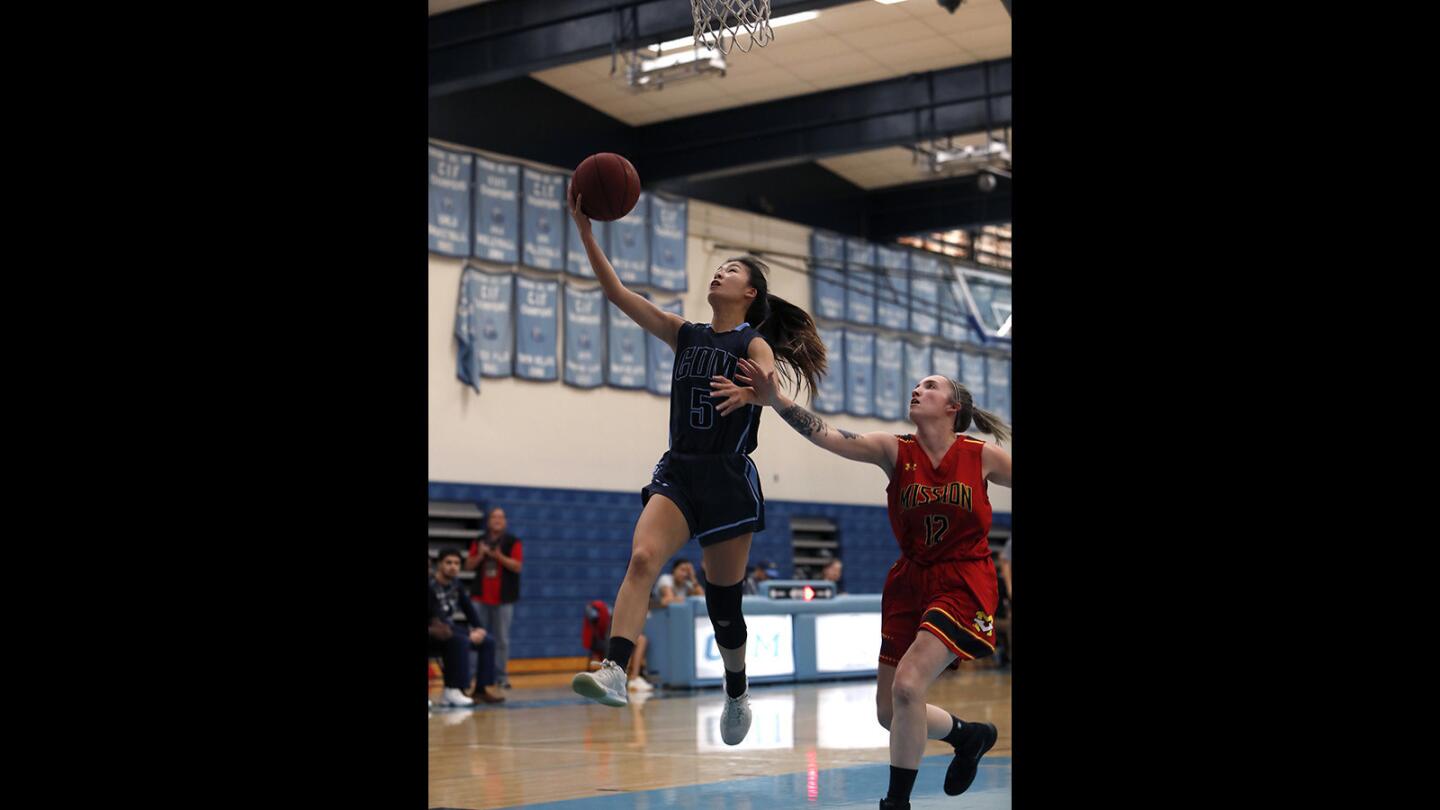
<point x="984" y="622"/>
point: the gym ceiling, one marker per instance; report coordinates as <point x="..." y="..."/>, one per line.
<point x="819" y="127"/>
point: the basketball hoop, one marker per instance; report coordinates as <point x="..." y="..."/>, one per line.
<point x="719" y="24"/>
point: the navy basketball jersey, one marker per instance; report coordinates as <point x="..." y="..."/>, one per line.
<point x="695" y="426"/>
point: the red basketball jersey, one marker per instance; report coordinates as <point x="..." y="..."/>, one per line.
<point x="940" y="513"/>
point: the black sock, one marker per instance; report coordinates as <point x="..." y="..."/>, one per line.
<point x="734" y="683"/>
<point x="901" y="781"/>
<point x="954" y="736"/>
<point x="619" y="651"/>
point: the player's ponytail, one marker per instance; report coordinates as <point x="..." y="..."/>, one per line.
<point x="790" y="331"/>
<point x="985" y="421"/>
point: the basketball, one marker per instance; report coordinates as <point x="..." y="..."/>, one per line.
<point x="609" y="184"/>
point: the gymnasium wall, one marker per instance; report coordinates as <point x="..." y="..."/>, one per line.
<point x="517" y="432"/>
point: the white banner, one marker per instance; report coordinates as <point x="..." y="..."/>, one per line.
<point x="769" y="647"/>
<point x="845" y="642"/>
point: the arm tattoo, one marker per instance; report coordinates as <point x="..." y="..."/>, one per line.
<point x="847" y="434"/>
<point x="803" y="421"/>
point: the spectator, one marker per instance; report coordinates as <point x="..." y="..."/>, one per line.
<point x="831" y="573"/>
<point x="678" y="585"/>
<point x="447" y="595"/>
<point x="758" y="574"/>
<point x="439" y="631"/>
<point x="498" y="556"/>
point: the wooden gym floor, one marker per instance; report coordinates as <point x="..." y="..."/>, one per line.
<point x="810" y="745"/>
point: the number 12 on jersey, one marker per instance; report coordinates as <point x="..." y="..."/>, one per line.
<point x="935" y="528"/>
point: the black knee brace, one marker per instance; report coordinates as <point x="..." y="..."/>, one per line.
<point x="723" y="604"/>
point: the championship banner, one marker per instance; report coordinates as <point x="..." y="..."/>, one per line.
<point x="625" y="348"/>
<point x="667" y="244"/>
<point x="860" y="373"/>
<point x="972" y="371"/>
<point x="828" y="253"/>
<point x="544" y="231"/>
<point x="584" y="337"/>
<point x="451" y="174"/>
<point x="577" y="261"/>
<point x="890" y="390"/>
<point x="830" y="398"/>
<point x="946" y="363"/>
<point x="630" y="244"/>
<point x="925" y="273"/>
<point x="662" y="357"/>
<point x="535" y="324"/>
<point x="917" y="364"/>
<point x="997" y="386"/>
<point x="491" y="299"/>
<point x="892" y="290"/>
<point x="859" y="281"/>
<point x="497" y="211"/>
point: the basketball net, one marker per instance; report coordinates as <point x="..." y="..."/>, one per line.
<point x="726" y="24"/>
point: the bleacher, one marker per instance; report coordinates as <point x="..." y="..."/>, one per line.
<point x="577" y="545"/>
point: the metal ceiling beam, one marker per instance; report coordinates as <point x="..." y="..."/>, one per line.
<point x="893" y="112"/>
<point x="810" y="195"/>
<point x="935" y="206"/>
<point x="492" y="42"/>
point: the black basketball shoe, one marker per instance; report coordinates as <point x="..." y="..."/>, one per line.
<point x="975" y="740"/>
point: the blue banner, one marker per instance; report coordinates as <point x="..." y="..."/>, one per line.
<point x="497" y="211"/>
<point x="859" y="281"/>
<point x="917" y="365"/>
<point x="972" y="371"/>
<point x="662" y="357"/>
<point x="630" y="244"/>
<point x="537" y="303"/>
<point x="954" y="323"/>
<point x="945" y="362"/>
<point x="490" y="298"/>
<point x="984" y="294"/>
<point x="584" y="337"/>
<point x="544" y="231"/>
<point x="828" y="253"/>
<point x="667" y="246"/>
<point x="889" y="388"/>
<point x="997" y="386"/>
<point x="577" y="261"/>
<point x="925" y="278"/>
<point x="467" y="360"/>
<point x="830" y="398"/>
<point x="892" y="290"/>
<point x="859" y="373"/>
<point x="451" y="174"/>
<point x="625" y="367"/>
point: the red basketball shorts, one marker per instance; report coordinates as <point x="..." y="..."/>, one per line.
<point x="954" y="601"/>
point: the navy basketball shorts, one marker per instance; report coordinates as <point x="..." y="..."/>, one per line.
<point x="719" y="495"/>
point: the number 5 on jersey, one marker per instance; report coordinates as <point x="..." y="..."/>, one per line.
<point x="702" y="412"/>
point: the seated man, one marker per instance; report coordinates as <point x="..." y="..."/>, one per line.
<point x="758" y="574"/>
<point x="446" y="596"/>
<point x="678" y="585"/>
